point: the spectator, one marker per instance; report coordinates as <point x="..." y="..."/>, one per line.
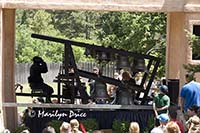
<point x="116" y="75"/>
<point x="134" y="127"/>
<point x="156" y="130"/>
<point x="163" y="120"/>
<point x="193" y="124"/>
<point x="74" y="126"/>
<point x="161" y="102"/>
<point x="190" y="92"/>
<point x="173" y="117"/>
<point x="35" y="79"/>
<point x="193" y="110"/>
<point x="172" y="127"/>
<point x="48" y="129"/>
<point x="65" y="128"/>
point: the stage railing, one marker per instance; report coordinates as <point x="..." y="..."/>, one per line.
<point x="80" y="106"/>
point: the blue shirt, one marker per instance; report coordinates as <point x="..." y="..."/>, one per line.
<point x="190" y="92"/>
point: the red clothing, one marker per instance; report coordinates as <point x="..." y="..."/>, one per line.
<point x="82" y="128"/>
<point x="180" y="125"/>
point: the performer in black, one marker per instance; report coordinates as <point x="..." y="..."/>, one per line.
<point x="35" y="79"/>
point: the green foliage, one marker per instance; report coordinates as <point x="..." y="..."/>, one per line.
<point x="150" y="124"/>
<point x="56" y="125"/>
<point x="120" y="126"/>
<point x="137" y="32"/>
<point x="194" y="42"/>
<point x="90" y="124"/>
<point x="21" y="128"/>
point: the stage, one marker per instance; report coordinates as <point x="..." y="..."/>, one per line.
<point x="105" y="114"/>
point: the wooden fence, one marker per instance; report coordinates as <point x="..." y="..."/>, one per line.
<point x="22" y="71"/>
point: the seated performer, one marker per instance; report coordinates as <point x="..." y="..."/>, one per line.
<point x="35" y="79"/>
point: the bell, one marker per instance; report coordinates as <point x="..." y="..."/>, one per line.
<point x="139" y="65"/>
<point x="100" y="92"/>
<point x="122" y="62"/>
<point x="124" y="97"/>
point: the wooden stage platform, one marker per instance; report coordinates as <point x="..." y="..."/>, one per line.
<point x="105" y="114"/>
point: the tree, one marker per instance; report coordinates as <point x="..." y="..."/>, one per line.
<point x="136" y="32"/>
<point x="194" y="42"/>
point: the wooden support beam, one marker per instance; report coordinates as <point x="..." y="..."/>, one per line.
<point x="7" y="53"/>
<point x="107" y="5"/>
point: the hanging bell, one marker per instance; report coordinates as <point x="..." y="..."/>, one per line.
<point x="139" y="65"/>
<point x="124" y="97"/>
<point x="100" y="92"/>
<point x="122" y="62"/>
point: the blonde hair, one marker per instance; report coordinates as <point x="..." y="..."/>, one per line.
<point x="134" y="127"/>
<point x="172" y="127"/>
<point x="74" y="125"/>
<point x="65" y="127"/>
<point x="194" y="124"/>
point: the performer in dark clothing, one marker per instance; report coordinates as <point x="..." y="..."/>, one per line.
<point x="35" y="79"/>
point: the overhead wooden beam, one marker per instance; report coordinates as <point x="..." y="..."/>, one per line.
<point x="106" y="5"/>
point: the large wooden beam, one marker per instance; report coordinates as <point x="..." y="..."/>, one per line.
<point x="107" y="5"/>
<point x="7" y="53"/>
<point x="176" y="47"/>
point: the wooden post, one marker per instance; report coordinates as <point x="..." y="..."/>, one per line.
<point x="176" y="46"/>
<point x="7" y="64"/>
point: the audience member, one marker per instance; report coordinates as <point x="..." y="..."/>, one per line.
<point x="172" y="127"/>
<point x="134" y="127"/>
<point x="116" y="75"/>
<point x="193" y="124"/>
<point x="48" y="129"/>
<point x="75" y="126"/>
<point x="156" y="130"/>
<point x="192" y="110"/>
<point x="163" y="120"/>
<point x="138" y="78"/>
<point x="65" y="128"/>
<point x="161" y="102"/>
<point x="35" y="79"/>
<point x="190" y="94"/>
<point x="173" y="117"/>
<point x="112" y="93"/>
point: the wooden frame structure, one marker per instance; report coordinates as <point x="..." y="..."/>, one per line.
<point x="180" y="16"/>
